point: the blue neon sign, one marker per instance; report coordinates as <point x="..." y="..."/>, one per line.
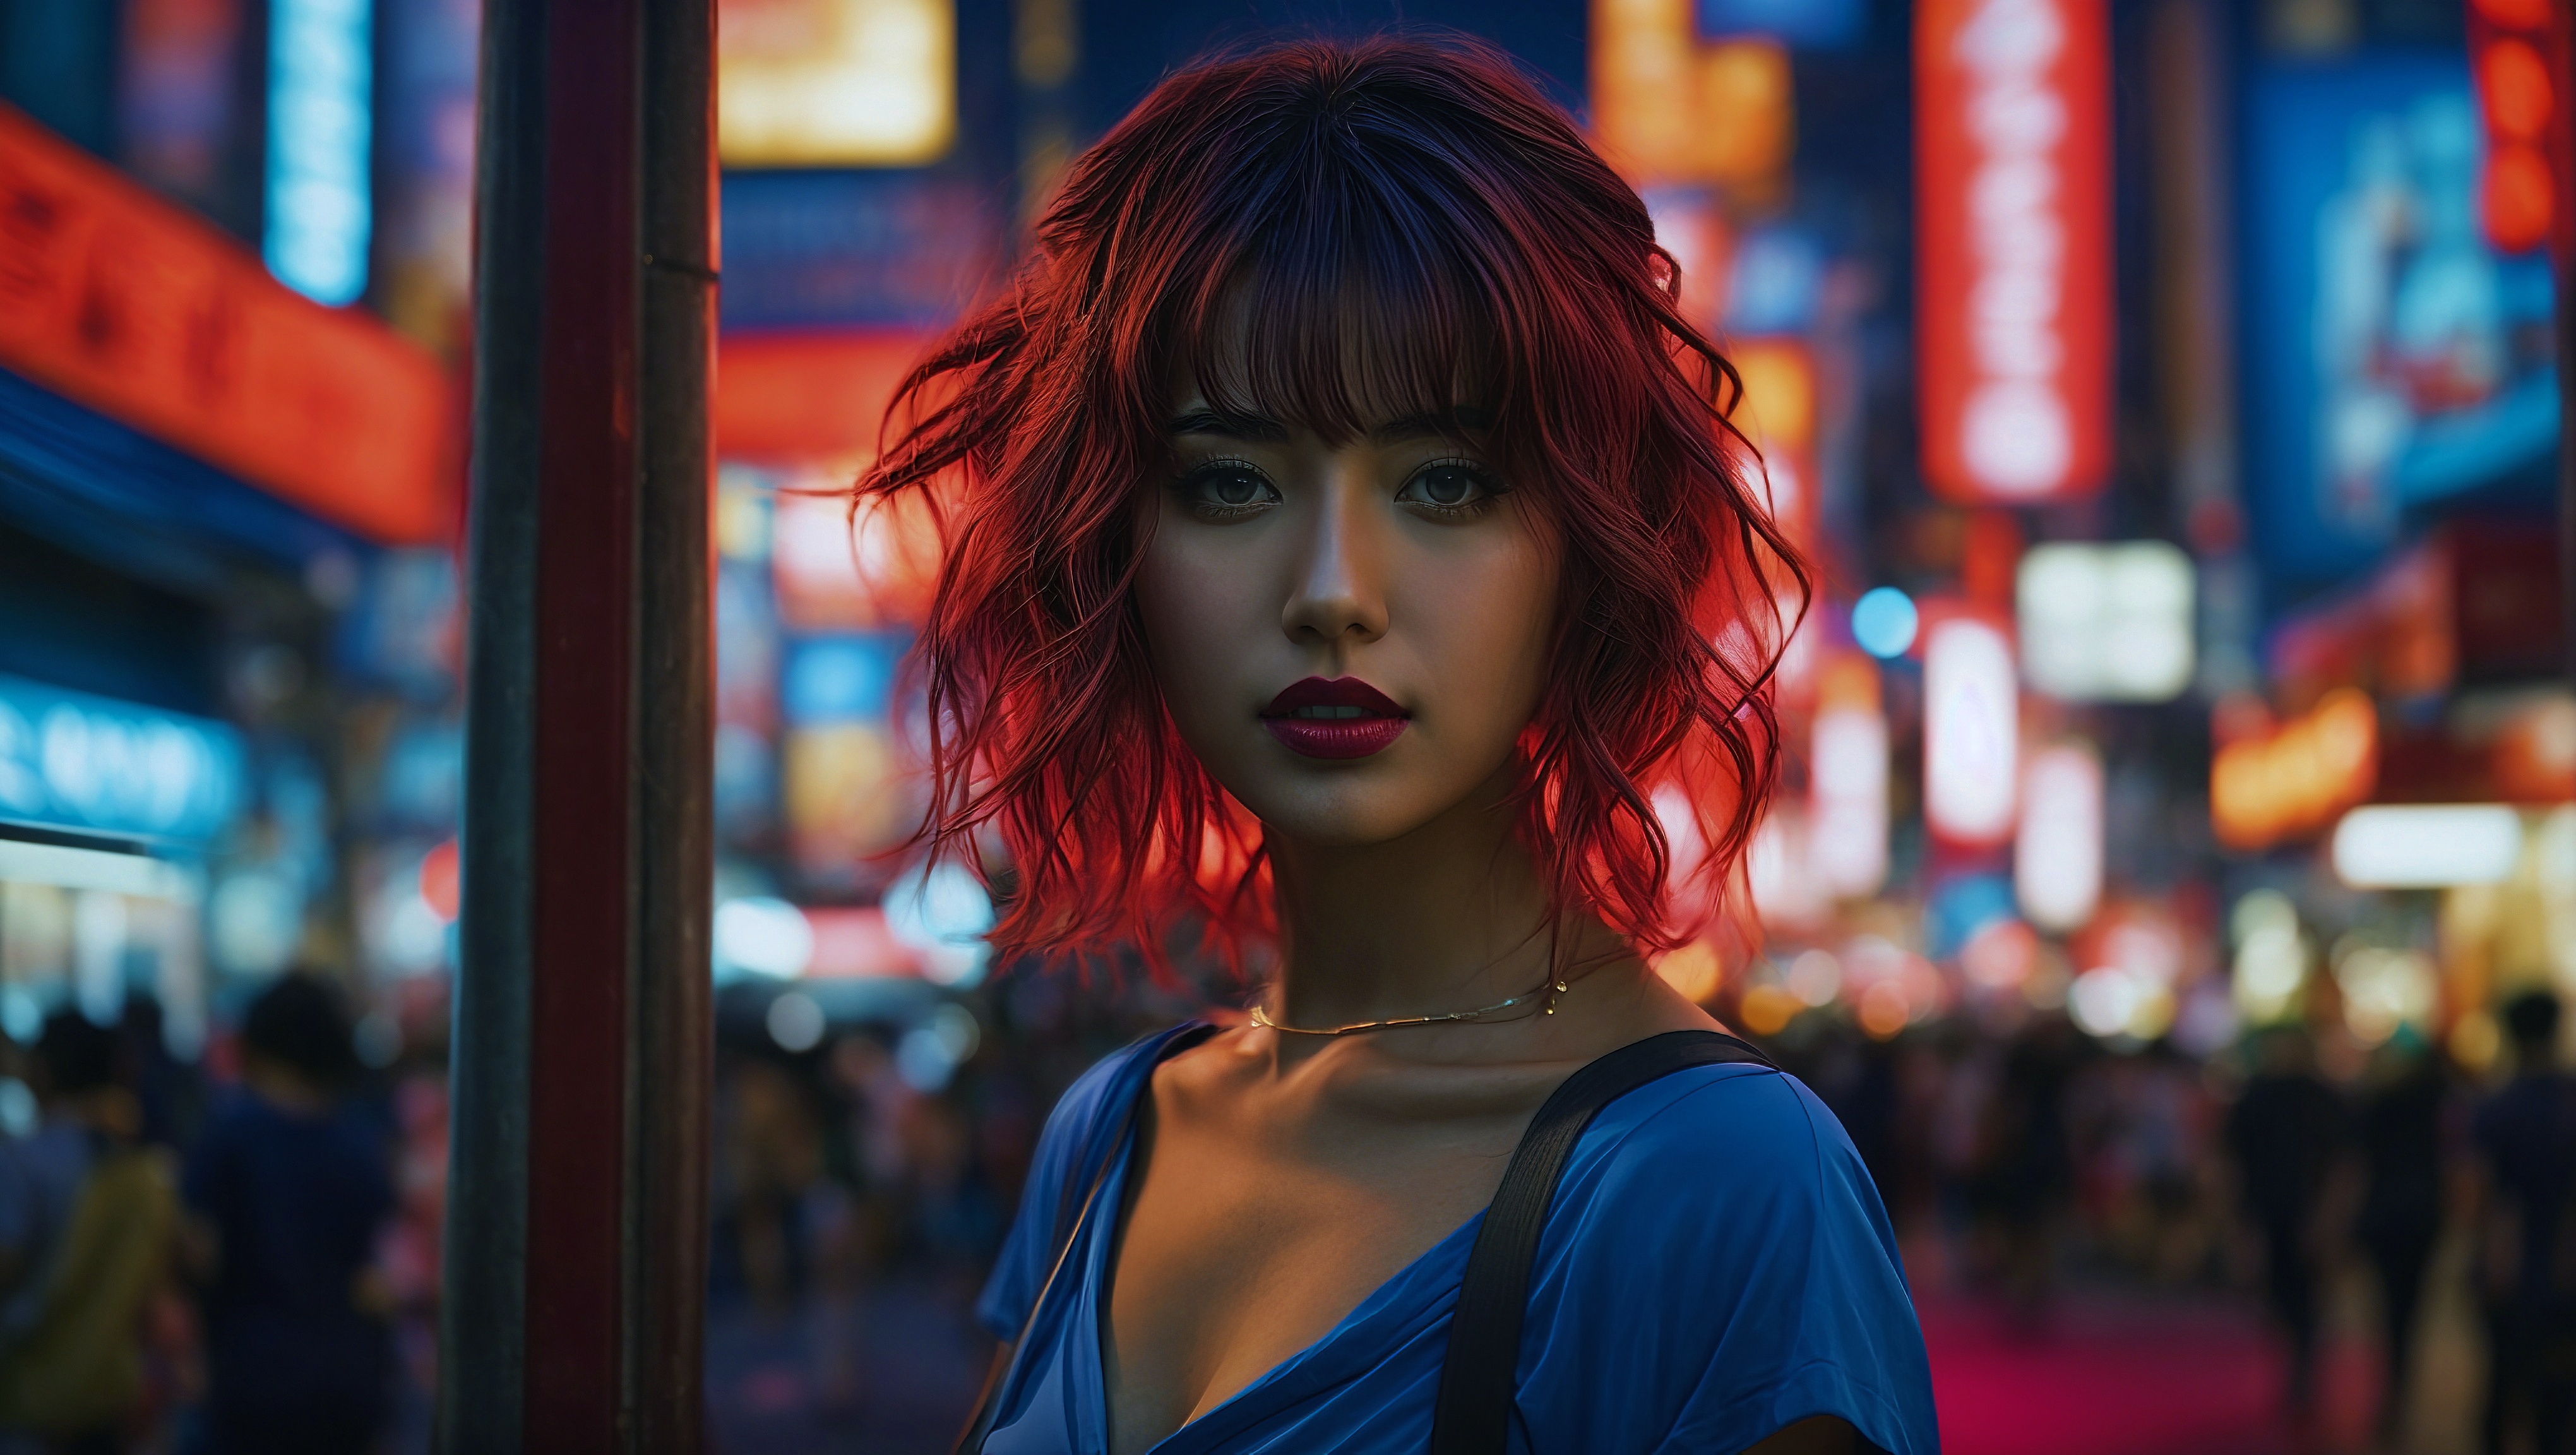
<point x="321" y="78"/>
<point x="92" y="764"/>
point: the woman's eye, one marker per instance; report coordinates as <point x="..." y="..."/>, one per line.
<point x="1235" y="487"/>
<point x="1449" y="487"/>
<point x="1225" y="489"/>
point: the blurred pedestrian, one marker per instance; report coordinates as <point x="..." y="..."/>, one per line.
<point x="2286" y="1130"/>
<point x="2526" y="1142"/>
<point x="87" y="1215"/>
<point x="2033" y="1172"/>
<point x="172" y="1091"/>
<point x="290" y="1187"/>
<point x="2401" y="1202"/>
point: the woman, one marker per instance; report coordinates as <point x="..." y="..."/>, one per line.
<point x="1349" y="560"/>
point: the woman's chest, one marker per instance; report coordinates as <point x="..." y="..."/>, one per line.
<point x="1245" y="1243"/>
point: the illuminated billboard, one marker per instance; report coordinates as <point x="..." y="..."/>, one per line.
<point x="2106" y="623"/>
<point x="825" y="83"/>
<point x="2392" y="356"/>
<point x="119" y="301"/>
<point x="92" y="765"/>
<point x="2013" y="243"/>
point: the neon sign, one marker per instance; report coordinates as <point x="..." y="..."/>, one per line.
<point x="2057" y="855"/>
<point x="114" y="298"/>
<point x="89" y="764"/>
<point x="2013" y="230"/>
<point x="1971" y="732"/>
<point x="321" y="80"/>
<point x="2294" y="780"/>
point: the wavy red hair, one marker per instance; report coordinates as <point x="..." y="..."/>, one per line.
<point x="1335" y="232"/>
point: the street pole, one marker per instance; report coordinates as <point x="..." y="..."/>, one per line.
<point x="2562" y="256"/>
<point x="577" y="1196"/>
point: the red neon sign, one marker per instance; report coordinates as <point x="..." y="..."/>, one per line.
<point x="114" y="298"/>
<point x="2013" y="237"/>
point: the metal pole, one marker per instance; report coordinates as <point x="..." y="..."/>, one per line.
<point x="2562" y="254"/>
<point x="577" y="1187"/>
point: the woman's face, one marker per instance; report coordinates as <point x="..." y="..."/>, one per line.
<point x="1350" y="636"/>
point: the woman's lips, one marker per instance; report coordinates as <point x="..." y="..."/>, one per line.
<point x="1337" y="717"/>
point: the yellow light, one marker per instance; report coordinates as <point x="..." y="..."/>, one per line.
<point x="2475" y="1042"/>
<point x="803" y="83"/>
<point x="1670" y="109"/>
<point x="1744" y="116"/>
<point x="2295" y="781"/>
<point x="1883" y="1011"/>
<point x="1767" y="1009"/>
<point x="1779" y="406"/>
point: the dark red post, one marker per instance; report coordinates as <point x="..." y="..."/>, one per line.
<point x="2562" y="252"/>
<point x="577" y="1197"/>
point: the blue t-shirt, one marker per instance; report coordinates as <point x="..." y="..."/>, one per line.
<point x="1716" y="1266"/>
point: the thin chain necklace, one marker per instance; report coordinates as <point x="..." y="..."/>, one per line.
<point x="1545" y="993"/>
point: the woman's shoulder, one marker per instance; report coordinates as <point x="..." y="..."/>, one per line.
<point x="1700" y="1198"/>
<point x="1094" y="1108"/>
<point x="1081" y="1135"/>
<point x="1717" y="1188"/>
<point x="1722" y="1133"/>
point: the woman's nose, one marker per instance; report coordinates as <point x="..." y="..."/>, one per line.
<point x="1337" y="593"/>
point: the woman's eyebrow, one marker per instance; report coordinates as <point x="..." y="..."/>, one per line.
<point x="1230" y="426"/>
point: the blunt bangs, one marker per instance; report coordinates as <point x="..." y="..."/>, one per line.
<point x="1336" y="235"/>
<point x="1341" y="304"/>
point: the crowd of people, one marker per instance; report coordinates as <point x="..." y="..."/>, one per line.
<point x="207" y="1257"/>
<point x="2017" y="1164"/>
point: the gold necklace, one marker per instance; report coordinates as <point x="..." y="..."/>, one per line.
<point x="1546" y="993"/>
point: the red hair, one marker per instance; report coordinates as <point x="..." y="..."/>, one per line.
<point x="1422" y="202"/>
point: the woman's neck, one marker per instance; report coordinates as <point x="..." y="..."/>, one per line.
<point x="1449" y="917"/>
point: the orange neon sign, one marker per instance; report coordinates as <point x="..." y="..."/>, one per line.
<point x="1672" y="108"/>
<point x="116" y="299"/>
<point x="2296" y="779"/>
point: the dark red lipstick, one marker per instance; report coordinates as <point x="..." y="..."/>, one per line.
<point x="1337" y="717"/>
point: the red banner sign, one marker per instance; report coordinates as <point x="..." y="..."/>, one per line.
<point x="2013" y="237"/>
<point x="114" y="298"/>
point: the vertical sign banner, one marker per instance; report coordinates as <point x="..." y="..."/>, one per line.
<point x="1971" y="732"/>
<point x="2013" y="238"/>
<point x="2058" y="852"/>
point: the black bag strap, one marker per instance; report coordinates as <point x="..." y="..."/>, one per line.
<point x="1070" y="1214"/>
<point x="1474" y="1409"/>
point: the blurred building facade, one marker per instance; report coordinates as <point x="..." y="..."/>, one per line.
<point x="230" y="484"/>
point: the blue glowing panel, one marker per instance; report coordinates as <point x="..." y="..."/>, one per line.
<point x="1779" y="273"/>
<point x="841" y="679"/>
<point x="1798" y="22"/>
<point x="1956" y="910"/>
<point x="95" y="765"/>
<point x="320" y="82"/>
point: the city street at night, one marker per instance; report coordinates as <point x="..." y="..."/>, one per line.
<point x="1157" y="727"/>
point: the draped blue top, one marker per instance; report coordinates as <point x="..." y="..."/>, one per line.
<point x="1716" y="1265"/>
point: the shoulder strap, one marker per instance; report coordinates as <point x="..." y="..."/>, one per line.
<point x="1473" y="1415"/>
<point x="1095" y="1156"/>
